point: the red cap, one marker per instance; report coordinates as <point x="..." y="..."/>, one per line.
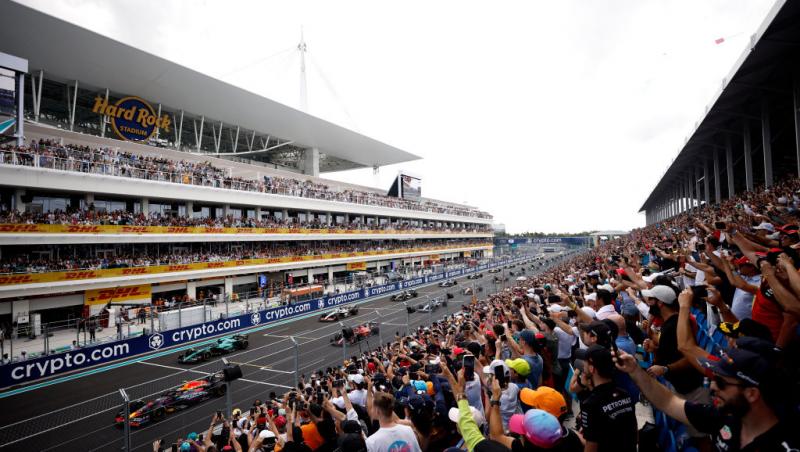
<point x="742" y="260"/>
<point x="789" y="228"/>
<point x="490" y="334"/>
<point x="621" y="271"/>
<point x="457" y="351"/>
<point x="280" y="421"/>
<point x="371" y="366"/>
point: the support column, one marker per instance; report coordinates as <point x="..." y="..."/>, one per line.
<point x="697" y="189"/>
<point x="88" y="199"/>
<point x="20" y="94"/>
<point x="766" y="143"/>
<point x="18" y="204"/>
<point x="717" y="187"/>
<point x="258" y="213"/>
<point x="330" y="275"/>
<point x="145" y="206"/>
<point x="191" y="289"/>
<point x="347" y="218"/>
<point x="729" y="166"/>
<point x="229" y="287"/>
<point x="284" y="215"/>
<point x="190" y="209"/>
<point x="310" y="275"/>
<point x="311" y="162"/>
<point x="748" y="158"/>
<point x="329" y="218"/>
<point x="796" y="118"/>
<point x="226" y="210"/>
<point x="706" y="183"/>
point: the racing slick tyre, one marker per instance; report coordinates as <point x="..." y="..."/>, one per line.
<point x="355" y="311"/>
<point x="374" y="331"/>
<point x="206" y="356"/>
<point x="220" y="390"/>
<point x="158" y="415"/>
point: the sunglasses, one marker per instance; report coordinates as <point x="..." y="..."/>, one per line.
<point x="722" y="384"/>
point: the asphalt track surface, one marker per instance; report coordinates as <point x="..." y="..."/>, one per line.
<point x="78" y="415"/>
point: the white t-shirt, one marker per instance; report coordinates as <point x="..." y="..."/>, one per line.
<point x="393" y="439"/>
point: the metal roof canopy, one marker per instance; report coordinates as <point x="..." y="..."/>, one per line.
<point x="778" y="35"/>
<point x="71" y="52"/>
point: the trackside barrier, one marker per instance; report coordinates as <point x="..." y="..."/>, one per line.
<point x="33" y="369"/>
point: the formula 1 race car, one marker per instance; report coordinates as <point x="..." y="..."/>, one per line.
<point x="448" y="283"/>
<point x="356" y="334"/>
<point x="475" y="276"/>
<point x="189" y="394"/>
<point x="404" y="295"/>
<point x="339" y="313"/>
<point x="223" y="346"/>
<point x="498" y="280"/>
<point x="467" y="291"/>
<point x="428" y="306"/>
<point x="495" y="270"/>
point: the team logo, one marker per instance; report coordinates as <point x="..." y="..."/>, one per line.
<point x="320" y="304"/>
<point x="399" y="446"/>
<point x="725" y="433"/>
<point x="131" y="117"/>
<point x="255" y="319"/>
<point x="156" y="341"/>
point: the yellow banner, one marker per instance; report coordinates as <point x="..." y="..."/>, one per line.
<point x="467" y="254"/>
<point x="117" y="294"/>
<point x="356" y="266"/>
<point x="138" y="230"/>
<point x="76" y="275"/>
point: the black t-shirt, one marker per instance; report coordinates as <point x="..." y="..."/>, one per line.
<point x="608" y="418"/>
<point x="685" y="380"/>
<point x="725" y="431"/>
<point x="569" y="443"/>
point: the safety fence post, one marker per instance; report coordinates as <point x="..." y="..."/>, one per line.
<point x="296" y="359"/>
<point x="126" y="406"/>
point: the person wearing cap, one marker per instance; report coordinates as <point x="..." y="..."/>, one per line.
<point x="742" y="418"/>
<point x="543" y="429"/>
<point x="391" y="435"/>
<point x="608" y="417"/>
<point x="465" y="418"/>
<point x="508" y="395"/>
<point x="528" y="348"/>
<point x="519" y="369"/>
<point x="746" y="281"/>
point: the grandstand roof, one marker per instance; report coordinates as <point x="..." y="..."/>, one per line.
<point x="750" y="77"/>
<point x="74" y="53"/>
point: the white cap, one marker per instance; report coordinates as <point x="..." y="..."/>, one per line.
<point x="490" y="368"/>
<point x="766" y="226"/>
<point x="356" y="378"/>
<point x="589" y="311"/>
<point x="649" y="278"/>
<point x="266" y="434"/>
<point x="663" y="294"/>
<point x="606" y="287"/>
<point x="591" y="297"/>
<point x="454" y="415"/>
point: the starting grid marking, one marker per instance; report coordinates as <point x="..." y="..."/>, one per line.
<point x="296" y="337"/>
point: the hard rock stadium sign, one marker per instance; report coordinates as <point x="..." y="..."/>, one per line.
<point x="131" y="117"/>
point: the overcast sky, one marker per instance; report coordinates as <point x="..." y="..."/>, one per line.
<point x="555" y="116"/>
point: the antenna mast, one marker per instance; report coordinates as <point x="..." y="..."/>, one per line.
<point x="301" y="47"/>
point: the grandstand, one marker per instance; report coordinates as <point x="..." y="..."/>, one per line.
<point x="216" y="192"/>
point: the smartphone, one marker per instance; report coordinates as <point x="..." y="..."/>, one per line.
<point x="338" y="383"/>
<point x="503" y="337"/>
<point x="219" y="414"/>
<point x="719" y="225"/>
<point x="613" y="343"/>
<point x="500" y="376"/>
<point x="469" y="367"/>
<point x="319" y="398"/>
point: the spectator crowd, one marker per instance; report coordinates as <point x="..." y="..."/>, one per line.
<point x="567" y="358"/>
<point x="50" y="258"/>
<point x="48" y="154"/>
<point x="92" y="216"/>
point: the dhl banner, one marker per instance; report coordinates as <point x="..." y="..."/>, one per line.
<point x="76" y="275"/>
<point x="435" y="257"/>
<point x="467" y="254"/>
<point x="118" y="294"/>
<point x="356" y="266"/>
<point x="118" y="229"/>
